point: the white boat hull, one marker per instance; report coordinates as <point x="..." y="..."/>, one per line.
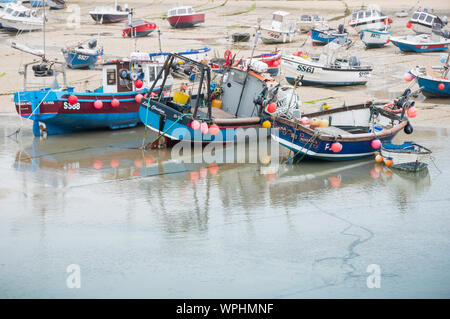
<point x="378" y="25"/>
<point x="315" y="74"/>
<point x="21" y="25"/>
<point x="272" y="36"/>
<point x="375" y="39"/>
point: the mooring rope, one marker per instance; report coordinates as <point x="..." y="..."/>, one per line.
<point x="161" y="135"/>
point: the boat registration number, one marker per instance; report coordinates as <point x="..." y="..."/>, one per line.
<point x="83" y="57"/>
<point x="364" y="74"/>
<point x="375" y="35"/>
<point x="75" y="106"/>
<point x="305" y="68"/>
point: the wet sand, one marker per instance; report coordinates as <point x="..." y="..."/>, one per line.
<point x="222" y="19"/>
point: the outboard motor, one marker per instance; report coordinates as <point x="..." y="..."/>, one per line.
<point x="354" y="61"/>
<point x="341" y="28"/>
<point x="92" y="44"/>
<point x="446" y="34"/>
<point x="444" y="20"/>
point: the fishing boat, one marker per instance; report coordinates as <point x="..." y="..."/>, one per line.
<point x="409" y="156"/>
<point x="57" y="4"/>
<point x="402" y="14"/>
<point x="110" y="14"/>
<point x="280" y="31"/>
<point x="21" y="18"/>
<point x="38" y="3"/>
<point x="240" y="37"/>
<point x="59" y="108"/>
<point x="422" y="42"/>
<point x="138" y="28"/>
<point x="273" y="61"/>
<point x="326" y="69"/>
<point x="375" y="38"/>
<point x="198" y="55"/>
<point x="321" y="36"/>
<point x="434" y="80"/>
<point x="341" y="133"/>
<point x="184" y="17"/>
<point x="369" y="18"/>
<point x="82" y="55"/>
<point x="238" y="101"/>
<point x="9" y="8"/>
<point x="422" y="21"/>
<point x="307" y="22"/>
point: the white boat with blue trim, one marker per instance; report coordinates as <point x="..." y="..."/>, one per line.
<point x="280" y="31"/>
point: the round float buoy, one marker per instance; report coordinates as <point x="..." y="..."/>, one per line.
<point x="408" y="129"/>
<point x="409" y="25"/>
<point x="412" y="112"/>
<point x="379" y="158"/>
<point x="336" y="147"/>
<point x="388" y="162"/>
<point x="441" y="86"/>
<point x="138" y="98"/>
<point x="98" y="104"/>
<point x="195" y="125"/>
<point x="138" y="84"/>
<point x="72" y="99"/>
<point x="376" y="144"/>
<point x="204" y="128"/>
<point x="305" y="121"/>
<point x="214" y="129"/>
<point x="408" y="77"/>
<point x="272" y="108"/>
<point x="115" y="103"/>
<point x="266" y="124"/>
<point x="390" y="20"/>
<point x="114" y="163"/>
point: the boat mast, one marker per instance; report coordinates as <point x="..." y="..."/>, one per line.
<point x="444" y="74"/>
<point x="45" y="18"/>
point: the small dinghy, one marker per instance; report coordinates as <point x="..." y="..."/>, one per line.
<point x="401" y="14"/>
<point x="369" y="18"/>
<point x="280" y="31"/>
<point x="110" y="14"/>
<point x="184" y="17"/>
<point x="409" y="156"/>
<point x="343" y="133"/>
<point x="325" y="36"/>
<point x="240" y="37"/>
<point x="422" y="21"/>
<point x="327" y="69"/>
<point x="436" y="41"/>
<point x="138" y="28"/>
<point x="434" y="80"/>
<point x="375" y="38"/>
<point x="57" y="4"/>
<point x="82" y="55"/>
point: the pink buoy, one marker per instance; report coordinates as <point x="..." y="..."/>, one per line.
<point x="408" y="77"/>
<point x="411" y="112"/>
<point x="115" y="103"/>
<point x="441" y="86"/>
<point x="214" y="129"/>
<point x="138" y="98"/>
<point x="72" y="99"/>
<point x="272" y="108"/>
<point x="376" y="144"/>
<point x="305" y="121"/>
<point x="336" y="147"/>
<point x="195" y="125"/>
<point x="138" y="84"/>
<point x="204" y="128"/>
<point x="98" y="104"/>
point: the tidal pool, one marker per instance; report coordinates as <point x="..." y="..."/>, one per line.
<point x="143" y="225"/>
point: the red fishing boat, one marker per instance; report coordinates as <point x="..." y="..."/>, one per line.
<point x="138" y="28"/>
<point x="184" y="17"/>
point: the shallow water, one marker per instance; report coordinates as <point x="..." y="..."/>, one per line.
<point x="145" y="225"/>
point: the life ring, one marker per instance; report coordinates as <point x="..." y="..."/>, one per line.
<point x="228" y="55"/>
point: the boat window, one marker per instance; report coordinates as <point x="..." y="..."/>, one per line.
<point x="415" y="16"/>
<point x="172" y="12"/>
<point x="111" y="77"/>
<point x="422" y="16"/>
<point x="277" y="18"/>
<point x="429" y="19"/>
<point x="151" y="73"/>
<point x="360" y="14"/>
<point x="368" y="14"/>
<point x="189" y="10"/>
<point x="354" y="15"/>
<point x="181" y="11"/>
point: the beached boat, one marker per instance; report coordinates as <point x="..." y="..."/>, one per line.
<point x="341" y="133"/>
<point x="321" y="36"/>
<point x="21" y="18"/>
<point x="369" y="18"/>
<point x="280" y="31"/>
<point x="422" y="42"/>
<point x="57" y="4"/>
<point x="38" y="3"/>
<point x="409" y="156"/>
<point x="193" y="54"/>
<point x="238" y="101"/>
<point x="327" y="69"/>
<point x="306" y="23"/>
<point x="138" y="28"/>
<point x="184" y="17"/>
<point x="422" y="21"/>
<point x="240" y="37"/>
<point x="401" y="14"/>
<point x="82" y="55"/>
<point x="58" y="108"/>
<point x="9" y="8"/>
<point x="375" y="38"/>
<point x="110" y="14"/>
<point x="434" y="80"/>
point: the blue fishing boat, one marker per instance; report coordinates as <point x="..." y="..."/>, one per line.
<point x="82" y="56"/>
<point x="434" y="80"/>
<point x="345" y="133"/>
<point x="60" y="109"/>
<point x="211" y="115"/>
<point x="193" y="54"/>
<point x="322" y="36"/>
<point x="438" y="40"/>
<point x="38" y="3"/>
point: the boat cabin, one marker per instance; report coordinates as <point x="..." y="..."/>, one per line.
<point x="427" y="19"/>
<point x="280" y="21"/>
<point x="180" y="11"/>
<point x="121" y="75"/>
<point x="369" y="14"/>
